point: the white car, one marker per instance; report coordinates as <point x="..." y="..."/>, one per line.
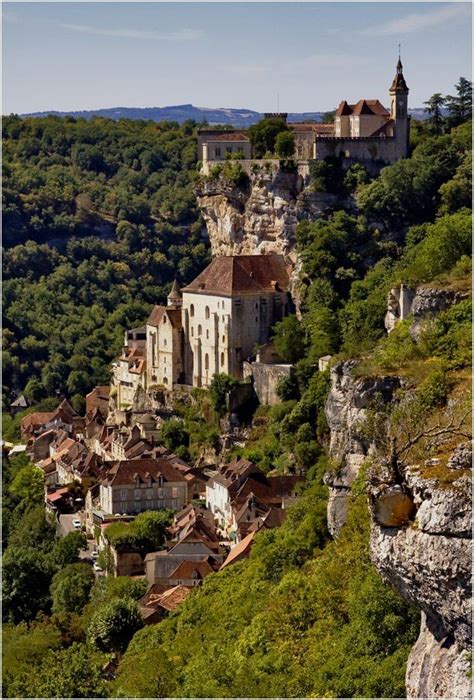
<point x="97" y="567"/>
<point x="77" y="523"/>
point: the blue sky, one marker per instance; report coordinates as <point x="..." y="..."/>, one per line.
<point x="89" y="55"/>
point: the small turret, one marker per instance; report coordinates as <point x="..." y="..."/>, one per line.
<point x="175" y="297"/>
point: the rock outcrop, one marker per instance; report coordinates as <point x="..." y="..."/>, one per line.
<point x="346" y="411"/>
<point x="420" y="304"/>
<point x="426" y="556"/>
<point x="260" y="217"/>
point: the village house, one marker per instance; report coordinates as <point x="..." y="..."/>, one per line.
<point x="361" y="132"/>
<point x="129" y="376"/>
<point x="136" y="485"/>
<point x="98" y="400"/>
<point x="229" y="489"/>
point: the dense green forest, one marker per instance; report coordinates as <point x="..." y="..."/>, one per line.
<point x="304" y="615"/>
<point x="99" y="218"/>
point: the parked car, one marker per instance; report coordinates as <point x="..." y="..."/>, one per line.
<point x="95" y="554"/>
<point x="97" y="567"/>
<point x="77" y="523"/>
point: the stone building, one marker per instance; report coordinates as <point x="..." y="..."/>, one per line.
<point x="133" y="486"/>
<point x="164" y="342"/>
<point x="364" y="131"/>
<point x="129" y="376"/>
<point x="214" y="323"/>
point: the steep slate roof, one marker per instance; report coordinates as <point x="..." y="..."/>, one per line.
<point x="175" y="292"/>
<point x="370" y="107"/>
<point x="398" y="83"/>
<point x="240" y="274"/>
<point x="124" y="472"/>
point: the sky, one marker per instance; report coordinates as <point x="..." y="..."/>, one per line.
<point x="262" y="56"/>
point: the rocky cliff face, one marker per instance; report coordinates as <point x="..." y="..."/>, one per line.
<point x="426" y="556"/>
<point x="420" y="534"/>
<point x="260" y="217"/>
<point x="346" y="411"/>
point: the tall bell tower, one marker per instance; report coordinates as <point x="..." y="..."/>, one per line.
<point x="399" y="110"/>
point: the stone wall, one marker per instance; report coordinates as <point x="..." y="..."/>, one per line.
<point x="266" y="379"/>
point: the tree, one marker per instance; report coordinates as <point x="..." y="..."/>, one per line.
<point x="263" y="135"/>
<point x="434" y="108"/>
<point x="289" y="340"/>
<point x="285" y="144"/>
<point x="34" y="390"/>
<point x="70" y="588"/>
<point x="28" y="484"/>
<point x="75" y="672"/>
<point x="114" y="624"/>
<point x="460" y="105"/>
<point x="173" y="434"/>
<point x="66" y="550"/>
<point x="219" y="387"/>
<point x="25" y="570"/>
<point x="150" y="527"/>
<point x="33" y="530"/>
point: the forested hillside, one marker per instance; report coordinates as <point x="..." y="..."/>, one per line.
<point x="99" y="218"/>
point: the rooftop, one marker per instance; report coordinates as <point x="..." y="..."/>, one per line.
<point x="241" y="274"/>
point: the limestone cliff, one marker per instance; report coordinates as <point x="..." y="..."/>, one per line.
<point x="346" y="410"/>
<point x="426" y="556"/>
<point x="261" y="216"/>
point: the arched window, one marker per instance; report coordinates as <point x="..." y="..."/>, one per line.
<point x="222" y="359"/>
<point x="192" y="331"/>
<point x="207" y="335"/>
<point x="206" y="361"/>
<point x="164" y="319"/>
<point x="207" y="312"/>
<point x="199" y="330"/>
<point x="191" y="310"/>
<point x="165" y="381"/>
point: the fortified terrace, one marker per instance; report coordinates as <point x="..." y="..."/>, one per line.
<point x="365" y="131"/>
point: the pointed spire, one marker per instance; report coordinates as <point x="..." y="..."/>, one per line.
<point x="398" y="83"/>
<point x="175" y="296"/>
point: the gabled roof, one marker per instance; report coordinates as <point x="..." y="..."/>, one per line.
<point x="240" y="551"/>
<point x="240" y="274"/>
<point x="368" y="107"/>
<point x="158" y="312"/>
<point x="192" y="569"/>
<point x="126" y="472"/>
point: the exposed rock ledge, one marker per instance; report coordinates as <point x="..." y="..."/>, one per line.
<point x="261" y="217"/>
<point x="429" y="562"/>
<point x="346" y="411"/>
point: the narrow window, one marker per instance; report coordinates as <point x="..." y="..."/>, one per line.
<point x="218" y="151"/>
<point x="222" y="359"/>
<point x="207" y="312"/>
<point x="199" y="329"/>
<point x="206" y="361"/>
<point x="191" y="310"/>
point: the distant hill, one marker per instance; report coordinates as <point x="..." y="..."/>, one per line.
<point x="180" y="113"/>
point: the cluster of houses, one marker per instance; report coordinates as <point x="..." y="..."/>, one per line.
<point x="111" y="473"/>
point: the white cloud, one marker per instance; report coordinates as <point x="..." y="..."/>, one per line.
<point x="179" y="35"/>
<point x="416" y="22"/>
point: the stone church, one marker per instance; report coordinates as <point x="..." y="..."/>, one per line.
<point x="215" y="323"/>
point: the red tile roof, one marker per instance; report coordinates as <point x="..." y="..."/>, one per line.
<point x="228" y="136"/>
<point x="240" y="274"/>
<point x="192" y="569"/>
<point x="240" y="551"/>
<point x="158" y="312"/>
<point x="370" y="107"/>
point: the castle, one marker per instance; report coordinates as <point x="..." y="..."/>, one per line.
<point x="209" y="327"/>
<point x="365" y="131"/>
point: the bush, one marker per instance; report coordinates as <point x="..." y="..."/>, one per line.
<point x="113" y="625"/>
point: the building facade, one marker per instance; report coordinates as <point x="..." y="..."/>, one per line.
<point x="133" y="486"/>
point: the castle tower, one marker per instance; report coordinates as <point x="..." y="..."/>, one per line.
<point x="399" y="110"/>
<point x="175" y="297"/>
